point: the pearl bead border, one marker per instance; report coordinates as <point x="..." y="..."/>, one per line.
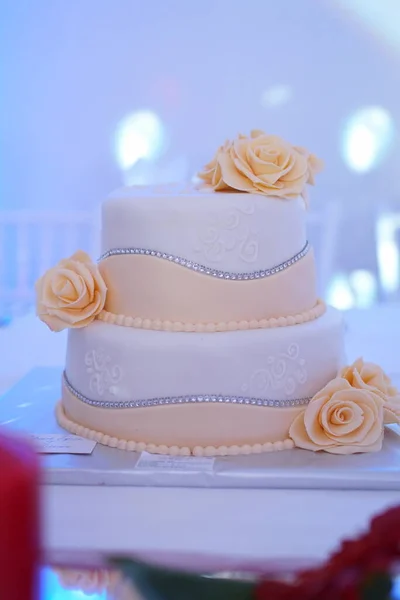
<point x="178" y="326"/>
<point x="199" y="268"/>
<point x="132" y="446"/>
<point x="182" y="400"/>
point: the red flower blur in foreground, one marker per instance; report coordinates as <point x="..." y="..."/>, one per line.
<point x="357" y="565"/>
<point x="19" y="519"/>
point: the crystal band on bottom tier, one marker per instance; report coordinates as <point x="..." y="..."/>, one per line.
<point x="193" y="399"/>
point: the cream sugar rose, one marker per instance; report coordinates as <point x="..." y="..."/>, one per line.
<point x="71" y="294"/>
<point x="199" y="331"/>
<point x="263" y="164"/>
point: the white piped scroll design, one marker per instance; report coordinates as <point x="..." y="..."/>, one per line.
<point x="104" y="377"/>
<point x="282" y="373"/>
<point x="229" y="232"/>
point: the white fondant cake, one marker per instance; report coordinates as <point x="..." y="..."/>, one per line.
<point x="200" y="330"/>
<point x="184" y="341"/>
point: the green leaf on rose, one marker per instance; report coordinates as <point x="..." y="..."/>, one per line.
<point x="377" y="587"/>
<point x="157" y="583"/>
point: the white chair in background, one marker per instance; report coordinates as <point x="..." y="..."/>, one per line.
<point x="33" y="241"/>
<point x="322" y="229"/>
<point x="387" y="232"/>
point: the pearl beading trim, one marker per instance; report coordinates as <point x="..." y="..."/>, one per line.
<point x="199" y="268"/>
<point x="158" y="325"/>
<point x="193" y="399"/>
<point x="132" y="446"/>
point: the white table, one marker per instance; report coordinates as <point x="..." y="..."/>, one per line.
<point x="271" y="519"/>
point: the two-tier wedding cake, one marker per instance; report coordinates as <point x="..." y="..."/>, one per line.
<point x="200" y="330"/>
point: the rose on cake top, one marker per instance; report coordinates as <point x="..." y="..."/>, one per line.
<point x="261" y="164"/>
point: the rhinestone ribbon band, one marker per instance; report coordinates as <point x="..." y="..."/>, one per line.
<point x="203" y="399"/>
<point x="209" y="270"/>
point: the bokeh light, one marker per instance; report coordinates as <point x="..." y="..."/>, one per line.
<point x="367" y="137"/>
<point x="140" y="135"/>
<point x="364" y="286"/>
<point x="53" y="590"/>
<point x="340" y="294"/>
<point x="276" y="95"/>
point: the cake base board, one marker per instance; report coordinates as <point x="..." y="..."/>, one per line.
<point x="29" y="407"/>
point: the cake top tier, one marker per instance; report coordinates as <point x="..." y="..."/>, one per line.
<point x="235" y="232"/>
<point x="157" y="191"/>
<point x="246" y="213"/>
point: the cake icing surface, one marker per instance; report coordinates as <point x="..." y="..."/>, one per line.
<point x="232" y="232"/>
<point x="200" y="331"/>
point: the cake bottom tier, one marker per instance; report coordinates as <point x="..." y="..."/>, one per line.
<point x="211" y="393"/>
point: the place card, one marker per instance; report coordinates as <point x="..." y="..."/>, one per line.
<point x="164" y="462"/>
<point x="60" y="443"/>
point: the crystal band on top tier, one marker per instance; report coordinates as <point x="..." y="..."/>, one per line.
<point x="193" y="399"/>
<point x="209" y="270"/>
